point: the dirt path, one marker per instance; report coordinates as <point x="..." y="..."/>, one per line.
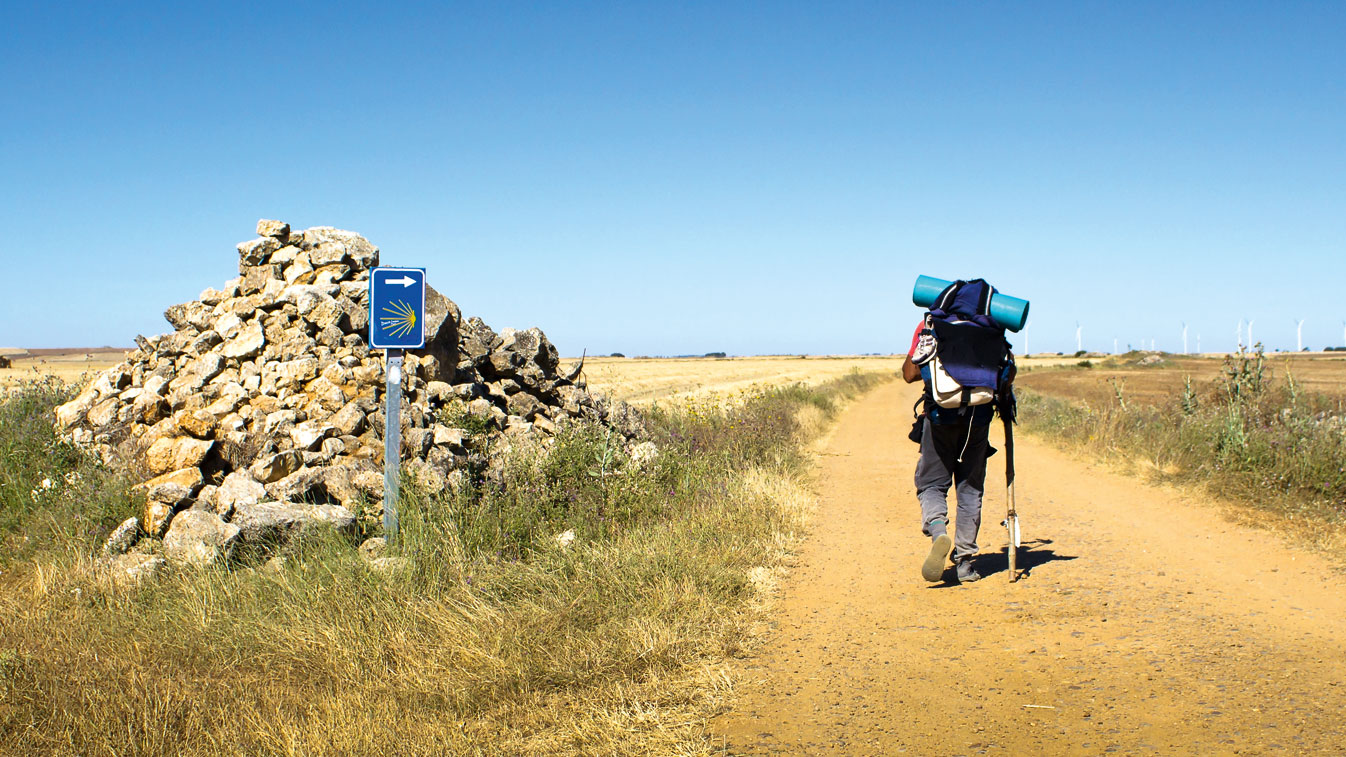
<point x="1145" y="624"/>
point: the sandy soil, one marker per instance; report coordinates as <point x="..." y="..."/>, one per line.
<point x="644" y="380"/>
<point x="1144" y="623"/>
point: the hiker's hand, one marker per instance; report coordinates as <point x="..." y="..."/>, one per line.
<point x="910" y="373"/>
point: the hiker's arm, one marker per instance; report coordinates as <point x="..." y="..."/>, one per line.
<point x="910" y="373"/>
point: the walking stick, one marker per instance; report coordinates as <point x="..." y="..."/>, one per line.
<point x="1008" y="410"/>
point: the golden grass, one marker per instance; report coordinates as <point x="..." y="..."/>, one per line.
<point x="615" y="646"/>
<point x="261" y="663"/>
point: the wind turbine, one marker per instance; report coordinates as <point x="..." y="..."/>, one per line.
<point x="1114" y="345"/>
<point x="1251" y="343"/>
<point x="1026" y="325"/>
<point x="1079" y="338"/>
<point x="1299" y="335"/>
<point x="1184" y="337"/>
<point x="1198" y="344"/>
<point x="1238" y="336"/>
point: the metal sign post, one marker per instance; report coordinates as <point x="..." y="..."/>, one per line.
<point x="392" y="444"/>
<point x="396" y="323"/>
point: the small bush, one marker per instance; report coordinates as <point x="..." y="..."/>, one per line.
<point x="53" y="495"/>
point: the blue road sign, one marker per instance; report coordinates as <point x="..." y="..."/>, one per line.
<point x="397" y="308"/>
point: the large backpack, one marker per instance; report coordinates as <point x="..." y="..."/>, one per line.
<point x="970" y="353"/>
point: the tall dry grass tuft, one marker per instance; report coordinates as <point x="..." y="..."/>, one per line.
<point x="492" y="637"/>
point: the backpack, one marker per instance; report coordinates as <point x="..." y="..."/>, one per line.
<point x="966" y="351"/>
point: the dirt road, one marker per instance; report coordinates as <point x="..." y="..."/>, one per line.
<point x="1145" y="622"/>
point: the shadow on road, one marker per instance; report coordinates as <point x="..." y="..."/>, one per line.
<point x="1031" y="554"/>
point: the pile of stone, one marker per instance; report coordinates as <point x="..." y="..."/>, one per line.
<point x="261" y="416"/>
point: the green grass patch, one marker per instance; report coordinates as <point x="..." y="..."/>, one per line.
<point x="53" y="495"/>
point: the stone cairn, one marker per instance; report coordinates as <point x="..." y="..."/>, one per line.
<point x="262" y="415"/>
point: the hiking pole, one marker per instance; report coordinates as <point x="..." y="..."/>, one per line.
<point x="1011" y="516"/>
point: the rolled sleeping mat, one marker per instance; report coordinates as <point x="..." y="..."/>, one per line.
<point x="1008" y="312"/>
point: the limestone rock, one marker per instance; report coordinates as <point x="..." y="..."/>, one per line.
<point x="131" y="568"/>
<point x="172" y="494"/>
<point x="304" y="485"/>
<point x="310" y="434"/>
<point x="269" y="523"/>
<point x="274" y="229"/>
<point x="373" y="548"/>
<point x="248" y="343"/>
<point x="175" y="453"/>
<point x="349" y="420"/>
<point x="350" y="486"/>
<point x="200" y="538"/>
<point x="73" y="411"/>
<point x="157" y="517"/>
<point x="239" y="489"/>
<point x="199" y="423"/>
<point x="277" y="466"/>
<point x="123" y="537"/>
<point x="255" y="252"/>
<point x="426" y="478"/>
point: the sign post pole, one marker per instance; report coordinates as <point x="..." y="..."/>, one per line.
<point x="396" y="323"/>
<point x="392" y="444"/>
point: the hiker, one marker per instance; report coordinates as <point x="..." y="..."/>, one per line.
<point x="967" y="367"/>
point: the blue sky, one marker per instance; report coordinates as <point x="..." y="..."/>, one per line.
<point x="690" y="177"/>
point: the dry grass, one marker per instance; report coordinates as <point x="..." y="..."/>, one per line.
<point x="618" y="645"/>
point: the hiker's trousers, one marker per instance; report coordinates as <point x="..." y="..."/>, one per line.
<point x="955" y="454"/>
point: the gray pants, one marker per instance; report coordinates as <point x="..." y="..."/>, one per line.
<point x="942" y="448"/>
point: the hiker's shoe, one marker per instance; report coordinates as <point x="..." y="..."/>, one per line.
<point x="933" y="567"/>
<point x="966" y="573"/>
<point x="925" y="348"/>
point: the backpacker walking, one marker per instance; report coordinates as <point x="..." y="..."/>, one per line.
<point x="962" y="356"/>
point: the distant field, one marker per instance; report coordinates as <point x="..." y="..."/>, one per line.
<point x="636" y="380"/>
<point x="1324" y="373"/>
<point x="643" y="380"/>
<point x="67" y="364"/>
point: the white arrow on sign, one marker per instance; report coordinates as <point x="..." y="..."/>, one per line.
<point x="405" y="281"/>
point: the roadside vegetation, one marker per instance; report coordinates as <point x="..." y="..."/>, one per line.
<point x="1247" y="436"/>
<point x="585" y="603"/>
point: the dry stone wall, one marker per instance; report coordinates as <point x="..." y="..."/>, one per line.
<point x="261" y="415"/>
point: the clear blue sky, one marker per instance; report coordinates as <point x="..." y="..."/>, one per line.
<point x="690" y="177"/>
